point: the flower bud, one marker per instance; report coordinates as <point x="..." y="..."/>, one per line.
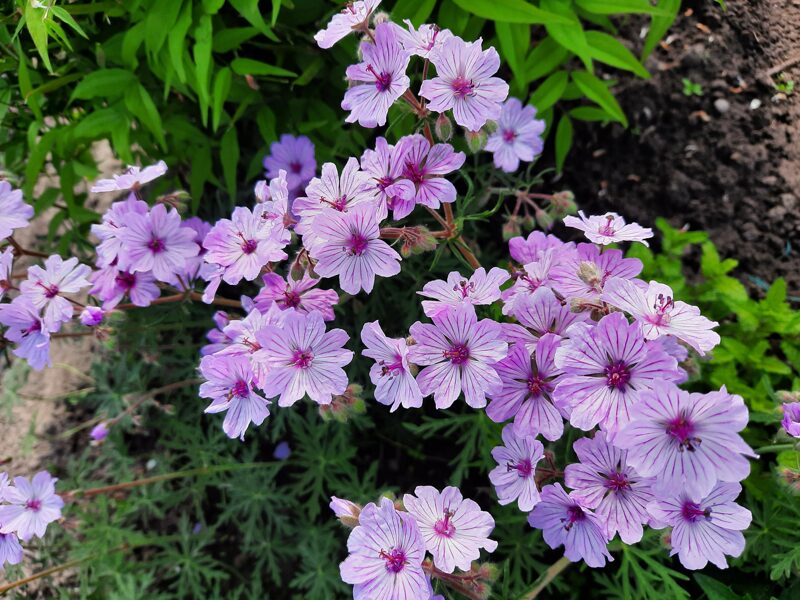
<point x="380" y="17"/>
<point x="563" y="203"/>
<point x="476" y="140"/>
<point x="416" y="240"/>
<point x="787" y="396"/>
<point x="347" y="512"/>
<point x="92" y="316"/>
<point x="544" y="219"/>
<point x="262" y="191"/>
<point x="443" y="128"/>
<point x="342" y="407"/>
<point x="590" y="274"/>
<point x="490" y="127"/>
<point x="791" y="478"/>
<point x="511" y="228"/>
<point x="99" y="433"/>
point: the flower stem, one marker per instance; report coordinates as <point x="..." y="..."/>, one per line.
<point x="547" y="577"/>
<point x="25" y="251"/>
<point x="775" y="448"/>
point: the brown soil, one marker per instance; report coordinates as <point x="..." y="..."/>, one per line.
<point x="728" y="161"/>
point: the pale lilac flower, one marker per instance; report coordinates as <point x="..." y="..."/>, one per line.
<point x="230" y="383"/>
<point x="6" y="263"/>
<point x="425" y="165"/>
<point x="465" y="84"/>
<point x="530" y="249"/>
<point x="110" y="229"/>
<point x="462" y="354"/>
<point x="385" y="166"/>
<point x="378" y="81"/>
<point x="660" y="315"/>
<point x="241" y="246"/>
<point x="303" y="358"/>
<point x="275" y="213"/>
<point x="514" y="477"/>
<point x="480" y="288"/>
<point x="584" y="274"/>
<point x="391" y="374"/>
<point x="92" y="316"/>
<point x="791" y="418"/>
<point x="565" y="520"/>
<point x="4" y="486"/>
<point x="350" y="247"/>
<point x="330" y="191"/>
<point x="536" y="274"/>
<point x="606" y="369"/>
<point x="14" y="213"/>
<point x="518" y="136"/>
<point x="704" y="530"/>
<point x="295" y="155"/>
<point x="605" y="482"/>
<point x="542" y="313"/>
<point x="243" y="338"/>
<point x="422" y="42"/>
<point x="608" y="228"/>
<point x="299" y="294"/>
<point x="217" y="335"/>
<point x="10" y="549"/>
<point x="156" y="242"/>
<point x="454" y="528"/>
<point x="31" y="506"/>
<point x="353" y="17"/>
<point x="687" y="440"/>
<point x="111" y="285"/>
<point x="527" y="392"/>
<point x="132" y="179"/>
<point x="45" y="287"/>
<point x="673" y="347"/>
<point x="386" y="550"/>
<point x="194" y="264"/>
<point x="99" y="432"/>
<point x="28" y="331"/>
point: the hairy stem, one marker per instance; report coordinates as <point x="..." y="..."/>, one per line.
<point x="546" y="578"/>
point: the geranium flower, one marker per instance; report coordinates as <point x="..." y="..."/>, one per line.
<point x="465" y="84"/>
<point x="518" y="136"/>
<point x="514" y="477"/>
<point x="6" y="262"/>
<point x="608" y="228"/>
<point x="32" y="505"/>
<point x="454" y="528"/>
<point x="132" y="179"/>
<point x="14" y="213"/>
<point x="44" y="288"/>
<point x="110" y="285"/>
<point x="424" y="166"/>
<point x="28" y="331"/>
<point x="422" y="42"/>
<point x="583" y="274"/>
<point x="480" y="288"/>
<point x="391" y="374"/>
<point x="385" y="166"/>
<point x="353" y="17"/>
<point x="791" y="418"/>
<point x="298" y="294"/>
<point x="295" y="156"/>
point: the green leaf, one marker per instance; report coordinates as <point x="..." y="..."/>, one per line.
<point x="597" y="91"/>
<point x="104" y="83"/>
<point x="141" y="105"/>
<point x="229" y="155"/>
<point x="590" y="113"/>
<point x="202" y="59"/>
<point x="211" y="7"/>
<point x="570" y="34"/>
<point x="660" y="25"/>
<point x="248" y="66"/>
<point x="67" y="18"/>
<point x="222" y="87"/>
<point x="515" y="39"/>
<point x="250" y="11"/>
<point x="96" y="123"/>
<point x="714" y="589"/>
<point x="510" y="11"/>
<point x="200" y="173"/>
<point x="34" y="20"/>
<point x="231" y="38"/>
<point x="417" y="11"/>
<point x="610" y="51"/>
<point x="545" y="57"/>
<point x="549" y="92"/>
<point x="25" y="86"/>
<point x="131" y="41"/>
<point x="177" y="41"/>
<point x="54" y="84"/>
<point x="613" y="7"/>
<point x="563" y="141"/>
<point x="37" y="158"/>
<point x="265" y="120"/>
<point x="276" y="9"/>
<point x="159" y="21"/>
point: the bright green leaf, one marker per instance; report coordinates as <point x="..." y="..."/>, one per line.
<point x="510" y="11"/>
<point x="222" y="87"/>
<point x="248" y="66"/>
<point x="545" y="57"/>
<point x="660" y="24"/>
<point x="104" y="83"/>
<point x="177" y="41"/>
<point x="34" y="20"/>
<point x="597" y="91"/>
<point x="252" y="13"/>
<point x="613" y="7"/>
<point x="549" y="92"/>
<point x="609" y="50"/>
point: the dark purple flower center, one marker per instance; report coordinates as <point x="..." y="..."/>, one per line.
<point x="524" y="468"/>
<point x="616" y="481"/>
<point x="414" y="172"/>
<point x="126" y="280"/>
<point x="291" y="299"/>
<point x="393" y="368"/>
<point x="575" y="514"/>
<point x="458" y="354"/>
<point x="339" y="204"/>
<point x="302" y="359"/>
<point x="607" y="229"/>
<point x="295" y="167"/>
<point x="35" y="327"/>
<point x="357" y="245"/>
<point x="444" y="526"/>
<point x="537" y="385"/>
<point x="464" y="287"/>
<point x="462" y="87"/>
<point x="33" y="504"/>
<point x="384" y="182"/>
<point x="240" y="389"/>
<point x="395" y="559"/>
<point x="156" y="245"/>
<point x="509" y="135"/>
<point x="694" y="512"/>
<point x="249" y="246"/>
<point x="682" y="429"/>
<point x="50" y="291"/>
<point x="617" y="375"/>
<point x="383" y="80"/>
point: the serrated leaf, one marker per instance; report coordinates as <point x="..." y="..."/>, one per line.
<point x="609" y="50"/>
<point x="248" y="66"/>
<point x="563" y="141"/>
<point x="595" y="90"/>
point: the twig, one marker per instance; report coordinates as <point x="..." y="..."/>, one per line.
<point x="789" y="62"/>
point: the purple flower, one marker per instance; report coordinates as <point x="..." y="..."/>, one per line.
<point x="350" y="248"/>
<point x="295" y="155"/>
<point x="385" y="167"/>
<point x="242" y="335"/>
<point x="564" y="519"/>
<point x="6" y="262"/>
<point x="454" y="528"/>
<point x="44" y="287"/>
<point x="156" y="242"/>
<point x="302" y="358"/>
<point x="791" y="418"/>
<point x="99" y="432"/>
<point x="480" y="288"/>
<point x="391" y="374"/>
<point x="345" y="509"/>
<point x="241" y="246"/>
<point x="465" y="84"/>
<point x="704" y="529"/>
<point x="385" y="557"/>
<point x="109" y="231"/>
<point x="423" y="42"/>
<point x="10" y="549"/>
<point x="231" y="387"/>
<point x="462" y="353"/>
<point x="275" y="213"/>
<point x="606" y="368"/>
<point x="217" y="336"/>
<point x="605" y="482"/>
<point x="31" y="506"/>
<point x="282" y="451"/>
<point x="584" y="274"/>
<point x="608" y="228"/>
<point x="354" y="16"/>
<point x="4" y="486"/>
<point x="132" y="179"/>
<point x="14" y="213"/>
<point x="111" y="285"/>
<point x="298" y="294"/>
<point x="542" y="313"/>
<point x="384" y="78"/>
<point x="536" y="274"/>
<point x="26" y="329"/>
<point x="193" y="266"/>
<point x="525" y="250"/>
<point x="518" y="136"/>
<point x="687" y="440"/>
<point x="527" y="392"/>
<point x="424" y="166"/>
<point x="514" y="477"/>
<point x="92" y="316"/>
<point x="660" y="315"/>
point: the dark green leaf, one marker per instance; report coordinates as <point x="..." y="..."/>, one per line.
<point x="608" y="49"/>
<point x="248" y="66"/>
<point x="104" y="83"/>
<point x="510" y="11"/>
<point x="229" y="155"/>
<point x="231" y="38"/>
<point x="714" y="589"/>
<point x="597" y="91"/>
<point x="417" y="11"/>
<point x="203" y="63"/>
<point x="222" y="87"/>
<point x="563" y="141"/>
<point x="141" y="105"/>
<point x="551" y="89"/>
<point x="252" y="13"/>
<point x="545" y="57"/>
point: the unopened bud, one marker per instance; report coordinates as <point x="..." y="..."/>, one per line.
<point x="342" y="407"/>
<point x="262" y="191"/>
<point x="347" y="512"/>
<point x="787" y="396"/>
<point x="563" y="204"/>
<point x="488" y="572"/>
<point x="99" y="433"/>
<point x="380" y="17"/>
<point x="416" y="240"/>
<point x="791" y="478"/>
<point x="300" y="265"/>
<point x="589" y="274"/>
<point x="443" y="128"/>
<point x="512" y="227"/>
<point x="544" y="219"/>
<point x="490" y="127"/>
<point x="476" y="140"/>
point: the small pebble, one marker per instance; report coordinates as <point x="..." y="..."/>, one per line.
<point x="722" y="105"/>
<point x="755" y="103"/>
